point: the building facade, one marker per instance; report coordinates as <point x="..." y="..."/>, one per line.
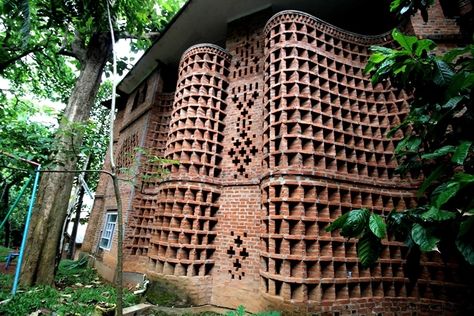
<point x="277" y="132"/>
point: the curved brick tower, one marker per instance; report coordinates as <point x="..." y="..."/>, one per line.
<point x="276" y="136"/>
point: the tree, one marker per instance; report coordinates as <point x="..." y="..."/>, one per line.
<point x="22" y="137"/>
<point x="437" y="141"/>
<point x="46" y="35"/>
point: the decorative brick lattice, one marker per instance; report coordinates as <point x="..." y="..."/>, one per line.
<point x="140" y="229"/>
<point x="196" y="131"/>
<point x="237" y="252"/>
<point x="156" y="140"/>
<point x="145" y="202"/>
<point x="325" y="145"/>
<point x="245" y="101"/>
<point x="185" y="220"/>
<point x="126" y="154"/>
<point x="322" y="113"/>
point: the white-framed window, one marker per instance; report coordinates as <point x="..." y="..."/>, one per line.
<point x="108" y="231"/>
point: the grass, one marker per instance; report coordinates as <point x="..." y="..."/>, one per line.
<point x="78" y="290"/>
<point x="4" y="253"/>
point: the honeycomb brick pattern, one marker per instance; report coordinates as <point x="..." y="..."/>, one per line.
<point x="126" y="153"/>
<point x="322" y="115"/>
<point x="184" y="222"/>
<point x="156" y="141"/>
<point x="197" y="123"/>
<point x="325" y="135"/>
<point x="144" y="205"/>
<point x="186" y="215"/>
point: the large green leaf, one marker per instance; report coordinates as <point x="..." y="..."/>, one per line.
<point x="423" y="238"/>
<point x="408" y="144"/>
<point x="356" y="223"/>
<point x="460" y="82"/>
<point x="449" y="190"/>
<point x="465" y="239"/>
<point x="452" y="54"/>
<point x="377" y="225"/>
<point x="338" y="223"/>
<point x="368" y="249"/>
<point x="437" y="215"/>
<point x="439" y="152"/>
<point x="464" y="178"/>
<point x="461" y="152"/>
<point x="435" y="174"/>
<point x="404" y="41"/>
<point x="424" y="46"/>
<point x="452" y="102"/>
<point x="443" y="73"/>
<point x="466" y="226"/>
<point x="466" y="248"/>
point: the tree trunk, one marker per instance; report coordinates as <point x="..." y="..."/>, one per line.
<point x="51" y="207"/>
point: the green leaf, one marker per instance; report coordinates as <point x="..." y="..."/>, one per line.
<point x="464" y="240"/>
<point x="368" y="249"/>
<point x="461" y="152"/>
<point x="443" y="73"/>
<point x="452" y="102"/>
<point x="466" y="226"/>
<point x="408" y="144"/>
<point x="464" y="178"/>
<point x="466" y="248"/>
<point x="423" y="238"/>
<point x="338" y="223"/>
<point x="460" y="82"/>
<point x="404" y="41"/>
<point x="437" y="215"/>
<point x="452" y="54"/>
<point x="435" y="174"/>
<point x="450" y="190"/>
<point x="377" y="225"/>
<point x="439" y="152"/>
<point x="394" y="5"/>
<point x="356" y="223"/>
<point x="424" y="46"/>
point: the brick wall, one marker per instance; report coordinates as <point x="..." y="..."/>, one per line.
<point x="277" y="136"/>
<point x="438" y="26"/>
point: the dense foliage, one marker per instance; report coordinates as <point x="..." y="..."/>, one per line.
<point x="437" y="142"/>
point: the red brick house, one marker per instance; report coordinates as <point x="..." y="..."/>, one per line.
<point x="278" y="132"/>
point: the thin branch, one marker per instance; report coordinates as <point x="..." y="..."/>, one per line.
<point x="150" y="35"/>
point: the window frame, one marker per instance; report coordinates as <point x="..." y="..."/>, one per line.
<point x="108" y="230"/>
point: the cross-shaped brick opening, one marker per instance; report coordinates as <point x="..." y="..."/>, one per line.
<point x="238" y="241"/>
<point x="237" y="265"/>
<point x="231" y="251"/>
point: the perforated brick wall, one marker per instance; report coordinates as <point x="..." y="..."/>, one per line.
<point x="277" y="136"/>
<point x="185" y="217"/>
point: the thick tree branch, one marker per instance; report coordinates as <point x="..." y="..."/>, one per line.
<point x="5" y="64"/>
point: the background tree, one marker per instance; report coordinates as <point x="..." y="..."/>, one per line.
<point x="24" y="137"/>
<point x="437" y="143"/>
<point x="46" y="37"/>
